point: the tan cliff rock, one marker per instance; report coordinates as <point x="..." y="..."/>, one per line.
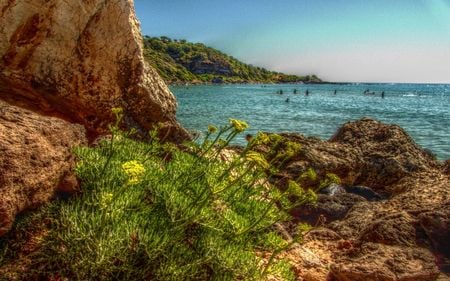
<point x="36" y="160"/>
<point x="78" y="59"/>
<point x="63" y="66"/>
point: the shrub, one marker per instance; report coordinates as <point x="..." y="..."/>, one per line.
<point x="149" y="211"/>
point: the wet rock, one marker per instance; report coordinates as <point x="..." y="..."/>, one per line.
<point x="36" y="160"/>
<point x="365" y="192"/>
<point x="327" y="209"/>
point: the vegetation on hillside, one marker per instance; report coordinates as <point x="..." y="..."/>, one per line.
<point x="179" y="61"/>
<point x="153" y="211"/>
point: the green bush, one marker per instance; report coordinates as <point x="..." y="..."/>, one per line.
<point x="149" y="211"/>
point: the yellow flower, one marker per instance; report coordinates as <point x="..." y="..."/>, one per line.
<point x="117" y="110"/>
<point x="212" y="129"/>
<point x="134" y="170"/>
<point x="258" y="159"/>
<point x="106" y="200"/>
<point x="238" y="125"/>
<point x="262" y="138"/>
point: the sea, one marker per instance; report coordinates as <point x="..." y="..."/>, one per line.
<point x="423" y="110"/>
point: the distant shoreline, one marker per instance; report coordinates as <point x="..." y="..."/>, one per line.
<point x="300" y="83"/>
<point x="249" y="83"/>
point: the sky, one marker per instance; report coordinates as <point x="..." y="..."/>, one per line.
<point x="338" y="40"/>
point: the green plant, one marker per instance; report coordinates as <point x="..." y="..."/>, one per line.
<point x="309" y="175"/>
<point x="145" y="216"/>
<point x="329" y="179"/>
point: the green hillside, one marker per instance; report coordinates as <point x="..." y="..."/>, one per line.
<point x="179" y="61"/>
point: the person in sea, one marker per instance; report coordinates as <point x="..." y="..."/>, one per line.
<point x="335" y="92"/>
<point x="382" y="95"/>
<point x="295" y="91"/>
<point x="287" y="100"/>
<point x="307" y="92"/>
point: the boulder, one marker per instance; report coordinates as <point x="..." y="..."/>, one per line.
<point x="363" y="153"/>
<point x="376" y="262"/>
<point x="36" y="160"/>
<point x="78" y="59"/>
<point x="388" y="153"/>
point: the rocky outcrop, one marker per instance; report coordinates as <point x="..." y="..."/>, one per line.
<point x="64" y="63"/>
<point x="389" y="220"/>
<point x="36" y="160"/>
<point x="77" y="60"/>
<point x="364" y="153"/>
<point x="200" y="65"/>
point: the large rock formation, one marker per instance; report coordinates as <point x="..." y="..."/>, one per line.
<point x="68" y="63"/>
<point x="36" y="160"/>
<point x="391" y="218"/>
<point x="78" y="59"/>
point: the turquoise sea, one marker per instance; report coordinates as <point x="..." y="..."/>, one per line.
<point x="422" y="110"/>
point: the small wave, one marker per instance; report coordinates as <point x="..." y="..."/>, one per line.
<point x="410" y="95"/>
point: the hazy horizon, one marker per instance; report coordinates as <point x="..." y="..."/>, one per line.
<point x="406" y="41"/>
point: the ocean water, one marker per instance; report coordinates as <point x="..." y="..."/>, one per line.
<point x="422" y="110"/>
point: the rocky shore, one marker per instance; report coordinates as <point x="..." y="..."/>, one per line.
<point x="60" y="75"/>
<point x="389" y="219"/>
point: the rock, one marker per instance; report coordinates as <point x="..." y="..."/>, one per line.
<point x="447" y="167"/>
<point x="363" y="153"/>
<point x="36" y="160"/>
<point x="78" y="59"/>
<point x="376" y="262"/>
<point x="327" y="209"/>
<point x="204" y="65"/>
<point x="389" y="153"/>
<point x="365" y="192"/>
<point x="333" y="190"/>
<point x="436" y="225"/>
<point x="217" y="80"/>
<point x="392" y="229"/>
<point x="392" y="223"/>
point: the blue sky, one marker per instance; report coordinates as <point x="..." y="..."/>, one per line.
<point x="339" y="40"/>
